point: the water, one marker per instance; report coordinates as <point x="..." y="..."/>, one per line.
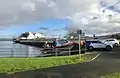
<point x="9" y="49"/>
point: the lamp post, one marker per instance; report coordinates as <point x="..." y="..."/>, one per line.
<point x="85" y="39"/>
<point x="79" y="32"/>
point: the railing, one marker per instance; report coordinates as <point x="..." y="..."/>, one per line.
<point x="18" y="52"/>
<point x="41" y="52"/>
<point x="59" y="51"/>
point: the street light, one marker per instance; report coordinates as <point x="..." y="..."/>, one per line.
<point x="79" y="32"/>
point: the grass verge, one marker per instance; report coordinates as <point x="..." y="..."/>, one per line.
<point x="114" y="75"/>
<point x="11" y="65"/>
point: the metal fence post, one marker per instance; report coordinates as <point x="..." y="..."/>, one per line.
<point x="79" y="46"/>
<point x="11" y="52"/>
<point x="69" y="51"/>
<point x="56" y="52"/>
<point x="27" y="52"/>
<point x="85" y="45"/>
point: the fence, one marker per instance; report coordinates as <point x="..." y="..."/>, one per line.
<point x="18" y="52"/>
<point x="41" y="52"/>
<point x="57" y="52"/>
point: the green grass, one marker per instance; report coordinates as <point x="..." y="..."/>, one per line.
<point x="114" y="75"/>
<point x="11" y="65"/>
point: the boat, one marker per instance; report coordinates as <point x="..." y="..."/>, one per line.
<point x="69" y="44"/>
<point x="28" y="36"/>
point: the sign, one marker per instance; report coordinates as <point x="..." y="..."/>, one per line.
<point x="79" y="31"/>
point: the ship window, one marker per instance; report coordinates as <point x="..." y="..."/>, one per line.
<point x="62" y="41"/>
<point x="24" y="35"/>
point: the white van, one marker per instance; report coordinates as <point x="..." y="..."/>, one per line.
<point x="114" y="42"/>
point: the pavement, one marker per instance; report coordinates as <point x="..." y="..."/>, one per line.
<point x="105" y="63"/>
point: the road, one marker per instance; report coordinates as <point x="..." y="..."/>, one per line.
<point x="106" y="63"/>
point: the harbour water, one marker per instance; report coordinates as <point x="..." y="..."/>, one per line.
<point x="10" y="49"/>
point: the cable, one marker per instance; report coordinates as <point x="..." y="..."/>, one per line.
<point x="110" y="6"/>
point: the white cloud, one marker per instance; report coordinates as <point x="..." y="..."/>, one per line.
<point x="94" y="8"/>
<point x="51" y="4"/>
<point x="29" y="6"/>
<point x="44" y="1"/>
<point x="100" y="25"/>
<point x="84" y="14"/>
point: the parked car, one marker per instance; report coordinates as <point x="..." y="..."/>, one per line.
<point x="97" y="44"/>
<point x="114" y="42"/>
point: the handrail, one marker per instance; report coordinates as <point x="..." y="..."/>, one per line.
<point x="26" y="52"/>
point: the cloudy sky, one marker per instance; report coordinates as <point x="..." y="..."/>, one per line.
<point x="23" y="15"/>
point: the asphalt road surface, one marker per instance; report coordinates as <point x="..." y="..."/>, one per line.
<point x="106" y="63"/>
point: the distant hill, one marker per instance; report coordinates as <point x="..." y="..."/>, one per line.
<point x="116" y="35"/>
<point x="6" y="39"/>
